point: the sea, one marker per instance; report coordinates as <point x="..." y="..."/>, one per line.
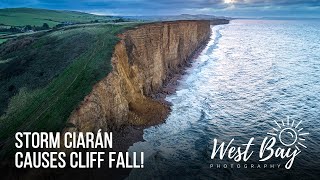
<point x="255" y="79"/>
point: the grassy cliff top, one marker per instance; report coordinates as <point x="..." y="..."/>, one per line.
<point x="44" y="76"/>
<point x="36" y="17"/>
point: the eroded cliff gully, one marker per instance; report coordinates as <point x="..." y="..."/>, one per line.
<point x="143" y="61"/>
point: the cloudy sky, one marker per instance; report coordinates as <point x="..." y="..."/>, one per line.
<point x="235" y="8"/>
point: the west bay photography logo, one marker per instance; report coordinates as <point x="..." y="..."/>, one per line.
<point x="284" y="141"/>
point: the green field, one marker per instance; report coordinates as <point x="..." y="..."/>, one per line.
<point x="36" y="17"/>
<point x="43" y="77"/>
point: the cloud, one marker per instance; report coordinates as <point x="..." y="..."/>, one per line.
<point x="157" y="7"/>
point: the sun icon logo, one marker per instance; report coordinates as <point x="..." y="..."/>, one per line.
<point x="289" y="134"/>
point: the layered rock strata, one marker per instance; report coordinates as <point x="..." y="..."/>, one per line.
<point x="143" y="61"/>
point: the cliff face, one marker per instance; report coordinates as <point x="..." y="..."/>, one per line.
<point x="143" y="60"/>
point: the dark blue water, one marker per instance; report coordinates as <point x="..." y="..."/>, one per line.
<point x="251" y="74"/>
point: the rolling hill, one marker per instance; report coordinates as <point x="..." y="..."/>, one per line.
<point x="36" y="17"/>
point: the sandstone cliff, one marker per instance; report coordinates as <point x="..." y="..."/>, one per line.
<point x="143" y="60"/>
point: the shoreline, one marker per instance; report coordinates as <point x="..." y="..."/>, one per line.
<point x="135" y="133"/>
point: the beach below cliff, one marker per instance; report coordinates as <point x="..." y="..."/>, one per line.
<point x="129" y="134"/>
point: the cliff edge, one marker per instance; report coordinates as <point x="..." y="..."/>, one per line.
<point x="143" y="61"/>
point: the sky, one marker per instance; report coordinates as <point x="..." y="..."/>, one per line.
<point x="230" y="8"/>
